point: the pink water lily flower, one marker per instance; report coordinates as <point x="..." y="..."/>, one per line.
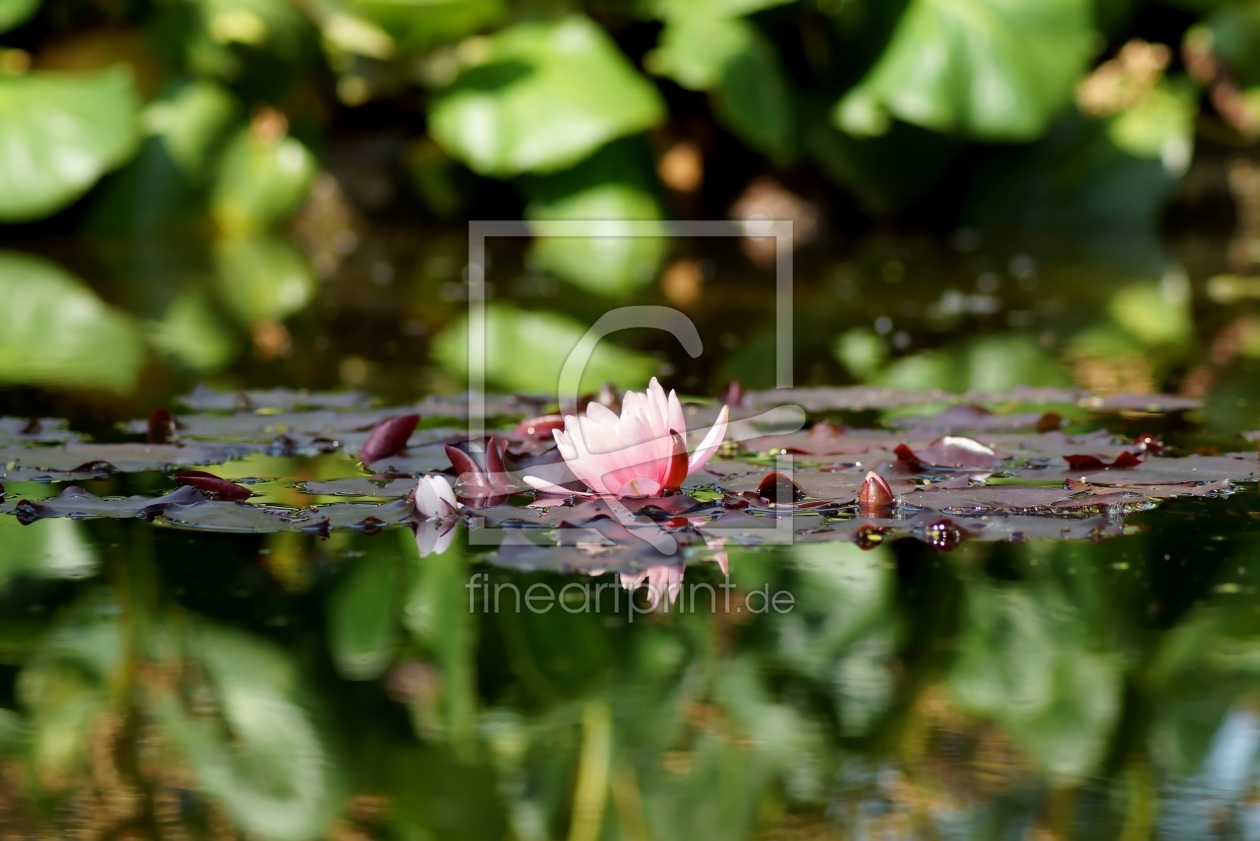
<point x="641" y="452"/>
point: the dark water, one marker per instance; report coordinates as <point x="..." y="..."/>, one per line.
<point x="160" y="682"/>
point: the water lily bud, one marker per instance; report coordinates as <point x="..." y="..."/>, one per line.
<point x="875" y="498"/>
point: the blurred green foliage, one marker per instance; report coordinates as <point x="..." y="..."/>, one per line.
<point x="882" y="96"/>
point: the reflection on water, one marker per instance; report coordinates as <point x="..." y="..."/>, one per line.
<point x="166" y="683"/>
<point x="158" y="682"/>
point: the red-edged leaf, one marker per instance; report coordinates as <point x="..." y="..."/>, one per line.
<point x="389" y="437"/>
<point x="875" y="498"/>
<point x="1153" y="444"/>
<point x="540" y="427"/>
<point x="1125" y="461"/>
<point x="908" y="459"/>
<point x="677" y="463"/>
<point x="161" y="427"/>
<point x="208" y="483"/>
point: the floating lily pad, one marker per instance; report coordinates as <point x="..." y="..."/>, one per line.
<point x="204" y="399"/>
<point x="76" y="503"/>
<point x="123" y="458"/>
<point x="34" y="431"/>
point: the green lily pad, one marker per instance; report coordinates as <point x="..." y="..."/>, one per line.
<point x="541" y="98"/>
<point x="60" y="133"/>
<point x="991" y="69"/>
<point x="55" y="332"/>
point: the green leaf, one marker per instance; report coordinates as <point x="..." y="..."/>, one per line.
<point x="55" y="332"/>
<point x="261" y="180"/>
<point x="710" y="9"/>
<point x="262" y="278"/>
<point x="56" y="549"/>
<point x="191" y="122"/>
<point x="525" y="352"/>
<point x="615" y="184"/>
<point x="1233" y="33"/>
<point x="888" y="172"/>
<point x="990" y="69"/>
<point x="190" y="332"/>
<point x="274" y="24"/>
<point x="439" y="617"/>
<point x="1076" y="179"/>
<point x="363" y="616"/>
<point x="16" y="12"/>
<point x="274" y="774"/>
<point x="542" y="97"/>
<point x="739" y="67"/>
<point x="418" y="25"/>
<point x="1160" y="125"/>
<point x="1156" y="313"/>
<point x="60" y="132"/>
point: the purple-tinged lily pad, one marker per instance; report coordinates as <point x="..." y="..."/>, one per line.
<point x="76" y="503"/>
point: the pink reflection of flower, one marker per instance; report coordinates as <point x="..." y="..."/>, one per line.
<point x="662" y="580"/>
<point x="642" y="452"/>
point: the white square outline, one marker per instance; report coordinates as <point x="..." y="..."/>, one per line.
<point x="479" y="230"/>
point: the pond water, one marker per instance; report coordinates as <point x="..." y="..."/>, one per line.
<point x="1052" y="631"/>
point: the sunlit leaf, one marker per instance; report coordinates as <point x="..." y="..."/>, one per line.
<point x="53" y="549"/>
<point x="261" y="180"/>
<point x="56" y="332"/>
<point x="60" y="132"/>
<point x="615" y="184"/>
<point x="1156" y="313"/>
<point x="275" y="776"/>
<point x="273" y="24"/>
<point x="16" y="12"/>
<point x="190" y="332"/>
<point x="992" y="69"/>
<point x="420" y="24"/>
<point x="739" y="67"/>
<point x="262" y="278"/>
<point x="363" y="616"/>
<point x="191" y="122"/>
<point x="710" y="9"/>
<point x="437" y="613"/>
<point x="63" y="687"/>
<point x="1160" y="125"/>
<point x="526" y="350"/>
<point x="541" y="97"/>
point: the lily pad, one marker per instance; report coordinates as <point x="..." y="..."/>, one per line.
<point x="122" y="458"/>
<point x="205" y="399"/>
<point x="78" y="504"/>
